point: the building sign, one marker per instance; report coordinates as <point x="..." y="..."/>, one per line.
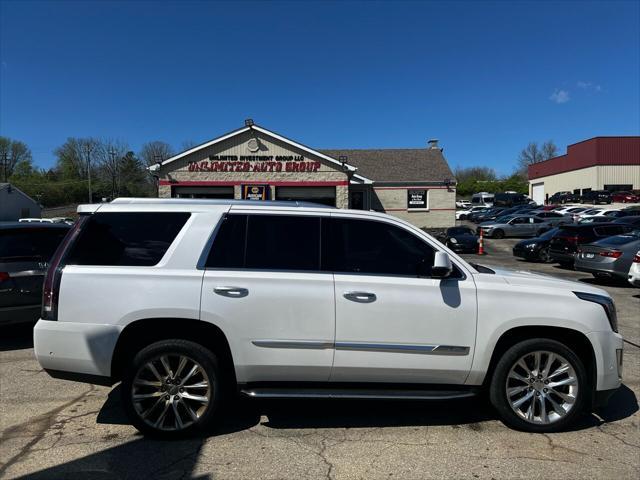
<point x="255" y="192"/>
<point x="417" y="199"/>
<point x="254" y="163"/>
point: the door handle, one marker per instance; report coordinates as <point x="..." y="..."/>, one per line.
<point x="360" y="297"/>
<point x="232" y="292"/>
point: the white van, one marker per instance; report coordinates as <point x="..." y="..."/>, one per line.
<point x="482" y="199"/>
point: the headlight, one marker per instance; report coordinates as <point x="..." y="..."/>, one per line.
<point x="607" y="304"/>
<point x="453" y="240"/>
<point x="530" y="246"/>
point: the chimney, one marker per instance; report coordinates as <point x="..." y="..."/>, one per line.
<point x="433" y="143"/>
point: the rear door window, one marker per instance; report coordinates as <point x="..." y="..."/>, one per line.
<point x="126" y="238"/>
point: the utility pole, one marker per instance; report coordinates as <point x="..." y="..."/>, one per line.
<point x="114" y="179"/>
<point x="89" y="171"/>
<point x="158" y="159"/>
<point x="5" y="163"/>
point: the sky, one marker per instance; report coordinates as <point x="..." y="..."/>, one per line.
<point x="485" y="78"/>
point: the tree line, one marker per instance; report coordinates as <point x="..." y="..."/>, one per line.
<point x="471" y="180"/>
<point x="85" y="168"/>
<point x="104" y="168"/>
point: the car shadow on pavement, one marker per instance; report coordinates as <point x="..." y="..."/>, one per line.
<point x="607" y="282"/>
<point x="16" y="337"/>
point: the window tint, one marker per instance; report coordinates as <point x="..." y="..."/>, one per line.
<point x="283" y="242"/>
<point x="30" y="243"/>
<point x="227" y="250"/>
<point x="270" y="242"/>
<point x="126" y="239"/>
<point x="371" y="247"/>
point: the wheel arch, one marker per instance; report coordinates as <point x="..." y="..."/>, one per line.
<point x="140" y="333"/>
<point x="573" y="339"/>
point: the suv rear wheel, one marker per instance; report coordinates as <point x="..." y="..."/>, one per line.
<point x="539" y="385"/>
<point x="171" y="388"/>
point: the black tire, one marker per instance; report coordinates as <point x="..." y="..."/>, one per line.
<point x="498" y="394"/>
<point x="498" y="233"/>
<point x="543" y="255"/>
<point x="174" y="348"/>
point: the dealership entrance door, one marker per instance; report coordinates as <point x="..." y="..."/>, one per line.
<point x="323" y="195"/>
<point x="202" y="192"/>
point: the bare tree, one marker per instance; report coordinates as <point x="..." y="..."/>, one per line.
<point x="188" y="145"/>
<point x="12" y="152"/>
<point x="534" y="153"/>
<point x="109" y="156"/>
<point x="154" y="152"/>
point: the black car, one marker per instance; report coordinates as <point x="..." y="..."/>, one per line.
<point x="596" y="197"/>
<point x="563" y="197"/>
<point x="633" y="220"/>
<point x="564" y="244"/>
<point x="535" y="249"/>
<point x="461" y="240"/>
<point x="483" y="216"/>
<point x="25" y="250"/>
<point x="509" y="199"/>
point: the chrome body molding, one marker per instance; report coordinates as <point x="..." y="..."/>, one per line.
<point x="404" y="348"/>
<point x="357" y="393"/>
<point x="307" y="344"/>
<point x="366" y="347"/>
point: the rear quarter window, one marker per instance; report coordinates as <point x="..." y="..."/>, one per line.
<point x="30" y="243"/>
<point x="126" y="239"/>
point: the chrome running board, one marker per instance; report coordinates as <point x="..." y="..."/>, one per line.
<point x="386" y="394"/>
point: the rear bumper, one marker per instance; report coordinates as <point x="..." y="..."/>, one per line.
<point x="19" y="314"/>
<point x="607" y="270"/>
<point x="81" y="350"/>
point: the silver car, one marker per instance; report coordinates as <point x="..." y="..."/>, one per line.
<point x="554" y="218"/>
<point x="514" y="226"/>
<point x="610" y="257"/>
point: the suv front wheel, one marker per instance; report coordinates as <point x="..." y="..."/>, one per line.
<point x="171" y="388"/>
<point x="539" y="385"/>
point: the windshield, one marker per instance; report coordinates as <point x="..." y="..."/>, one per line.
<point x="504" y="219"/>
<point x="548" y="234"/>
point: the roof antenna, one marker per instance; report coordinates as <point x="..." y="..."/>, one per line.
<point x="249" y="122"/>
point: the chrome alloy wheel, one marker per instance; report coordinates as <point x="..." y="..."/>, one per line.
<point x="542" y="387"/>
<point x="171" y="392"/>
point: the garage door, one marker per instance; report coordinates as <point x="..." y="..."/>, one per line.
<point x="323" y="195"/>
<point x="537" y="193"/>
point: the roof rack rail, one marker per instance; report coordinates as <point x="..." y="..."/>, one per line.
<point x="218" y="201"/>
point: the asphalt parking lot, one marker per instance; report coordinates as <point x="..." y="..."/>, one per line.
<point x="53" y="429"/>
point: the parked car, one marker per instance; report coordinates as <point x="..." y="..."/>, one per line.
<point x="553" y="218"/>
<point x="609" y="258"/>
<point x="634" y="270"/>
<point x="464" y="204"/>
<point x="514" y="226"/>
<point x="613" y="214"/>
<point x="482" y="216"/>
<point x="625" y="197"/>
<point x="564" y="245"/>
<point x="283" y="300"/>
<point x="633" y="221"/>
<point x="563" y="197"/>
<point x="461" y="240"/>
<point x="535" y="249"/>
<point x="510" y="199"/>
<point x="464" y="214"/>
<point x="25" y="249"/>
<point x="596" y="197"/>
<point x="594" y="219"/>
<point x="566" y="208"/>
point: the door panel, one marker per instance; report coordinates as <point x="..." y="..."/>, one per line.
<point x="281" y="328"/>
<point x="418" y="330"/>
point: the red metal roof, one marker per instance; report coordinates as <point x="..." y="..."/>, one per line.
<point x="595" y="151"/>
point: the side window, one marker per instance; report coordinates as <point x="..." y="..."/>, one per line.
<point x="283" y="242"/>
<point x="537" y="220"/>
<point x="126" y="239"/>
<point x="227" y="250"/>
<point x="370" y="247"/>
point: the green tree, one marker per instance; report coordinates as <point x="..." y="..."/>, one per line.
<point x="12" y="154"/>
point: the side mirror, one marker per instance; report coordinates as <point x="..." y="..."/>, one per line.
<point x="442" y="266"/>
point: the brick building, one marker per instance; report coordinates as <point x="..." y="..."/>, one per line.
<point x="254" y="163"/>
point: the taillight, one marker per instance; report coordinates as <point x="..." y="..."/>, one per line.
<point x="611" y="254"/>
<point x="636" y="258"/>
<point x="4" y="276"/>
<point x="51" y="286"/>
<point x="572" y="239"/>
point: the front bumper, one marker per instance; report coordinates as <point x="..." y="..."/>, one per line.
<point x="608" y="350"/>
<point x="84" y="349"/>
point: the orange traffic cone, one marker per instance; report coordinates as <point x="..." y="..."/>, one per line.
<point x="481" y="245"/>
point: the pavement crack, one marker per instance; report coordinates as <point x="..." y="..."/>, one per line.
<point x="42" y="423"/>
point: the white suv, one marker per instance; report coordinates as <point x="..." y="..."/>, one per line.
<point x="189" y="301"/>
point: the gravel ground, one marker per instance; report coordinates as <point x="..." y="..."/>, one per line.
<point x="53" y="429"/>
